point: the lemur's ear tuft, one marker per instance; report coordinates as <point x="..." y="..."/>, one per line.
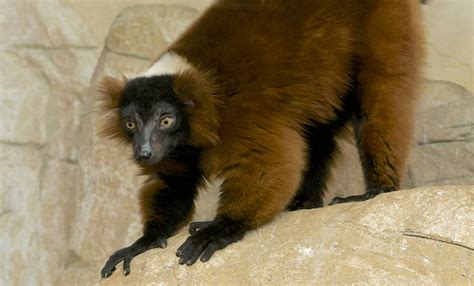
<point x="110" y="90"/>
<point x="199" y="93"/>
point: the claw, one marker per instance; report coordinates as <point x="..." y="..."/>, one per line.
<point x="126" y="265"/>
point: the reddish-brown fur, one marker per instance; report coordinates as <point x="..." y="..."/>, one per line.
<point x="283" y="63"/>
<point x="265" y="69"/>
<point x="110" y="124"/>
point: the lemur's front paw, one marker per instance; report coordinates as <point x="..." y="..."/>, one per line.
<point x="126" y="255"/>
<point x="208" y="237"/>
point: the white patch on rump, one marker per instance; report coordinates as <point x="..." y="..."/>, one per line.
<point x="169" y="63"/>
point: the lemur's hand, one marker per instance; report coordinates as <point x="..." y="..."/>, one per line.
<point x="128" y="253"/>
<point x="208" y="237"/>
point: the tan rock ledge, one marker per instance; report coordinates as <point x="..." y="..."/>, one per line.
<point x="423" y="236"/>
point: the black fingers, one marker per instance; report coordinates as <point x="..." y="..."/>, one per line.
<point x="321" y="143"/>
<point x="185" y="245"/>
<point x="370" y="193"/>
<point x="128" y="253"/>
<point x="208" y="252"/>
<point x="115" y="259"/>
<point x="208" y="237"/>
<point x="200" y="245"/>
<point x="192" y="249"/>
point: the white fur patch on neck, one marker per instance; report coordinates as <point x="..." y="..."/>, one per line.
<point x="169" y="63"/>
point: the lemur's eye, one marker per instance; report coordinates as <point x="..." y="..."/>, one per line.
<point x="130" y="124"/>
<point x="167" y="122"/>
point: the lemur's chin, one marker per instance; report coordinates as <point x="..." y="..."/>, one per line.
<point x="151" y="161"/>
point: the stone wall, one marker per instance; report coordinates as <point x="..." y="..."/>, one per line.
<point x="450" y="29"/>
<point x="66" y="198"/>
<point x="45" y="72"/>
<point x="48" y="53"/>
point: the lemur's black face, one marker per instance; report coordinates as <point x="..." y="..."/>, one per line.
<point x="153" y="117"/>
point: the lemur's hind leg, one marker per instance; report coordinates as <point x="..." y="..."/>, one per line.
<point x="383" y="131"/>
<point x="383" y="140"/>
<point x="387" y="81"/>
<point x="321" y="148"/>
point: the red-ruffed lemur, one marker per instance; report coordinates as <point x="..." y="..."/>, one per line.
<point x="253" y="94"/>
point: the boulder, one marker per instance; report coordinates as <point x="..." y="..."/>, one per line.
<point x="444" y="149"/>
<point x="422" y="236"/>
<point x="47" y="58"/>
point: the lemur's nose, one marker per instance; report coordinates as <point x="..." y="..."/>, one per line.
<point x="143" y="155"/>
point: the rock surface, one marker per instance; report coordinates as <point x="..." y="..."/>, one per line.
<point x="445" y="137"/>
<point x="421" y="236"/>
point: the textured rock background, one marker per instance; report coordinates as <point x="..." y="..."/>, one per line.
<point x="67" y="198"/>
<point x="48" y="53"/>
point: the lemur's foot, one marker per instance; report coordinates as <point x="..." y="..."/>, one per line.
<point x="128" y="253"/>
<point x="303" y="204"/>
<point x="208" y="237"/>
<point x="370" y="193"/>
<point x="198" y="225"/>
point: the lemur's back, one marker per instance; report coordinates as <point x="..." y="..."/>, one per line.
<point x="305" y="50"/>
<point x="302" y="47"/>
